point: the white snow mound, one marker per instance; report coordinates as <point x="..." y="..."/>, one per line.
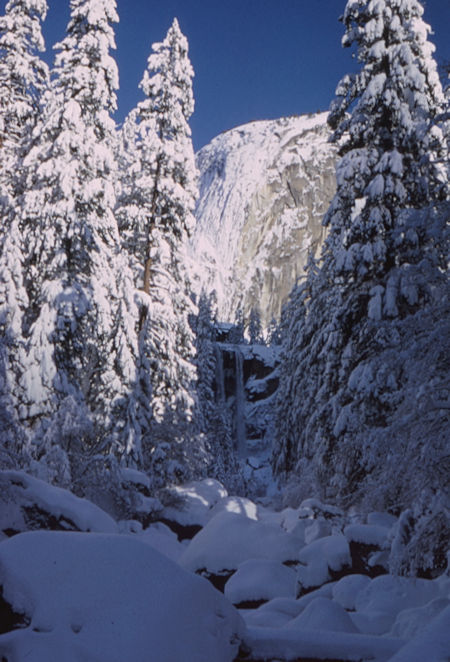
<point x="21" y="489"/>
<point x="260" y="579"/>
<point x="106" y="598"/>
<point x="229" y="539"/>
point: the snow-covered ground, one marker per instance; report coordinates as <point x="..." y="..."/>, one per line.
<point x="310" y="582"/>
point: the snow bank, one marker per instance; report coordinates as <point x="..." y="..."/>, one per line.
<point x="367" y="534"/>
<point x="433" y="644"/>
<point x="322" y="557"/>
<point x="324" y="614"/>
<point x="165" y="541"/>
<point x="32" y="503"/>
<point x="378" y="604"/>
<point x="275" y="613"/>
<point x="237" y="504"/>
<point x="348" y="588"/>
<point x="260" y="579"/>
<point x="198" y="498"/>
<point x="291" y="644"/>
<point x="106" y="598"/>
<point x="229" y="539"/>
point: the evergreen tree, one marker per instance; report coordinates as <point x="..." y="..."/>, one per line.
<point x="254" y="327"/>
<point x="156" y="220"/>
<point x="382" y="270"/>
<point x="391" y="153"/>
<point x="23" y="81"/>
<point x="78" y="383"/>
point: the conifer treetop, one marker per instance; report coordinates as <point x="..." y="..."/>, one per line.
<point x="23" y="74"/>
<point x="168" y="81"/>
<point x="392" y="150"/>
<point x="89" y="39"/>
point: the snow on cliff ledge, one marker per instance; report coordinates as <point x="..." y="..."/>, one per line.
<point x="264" y="188"/>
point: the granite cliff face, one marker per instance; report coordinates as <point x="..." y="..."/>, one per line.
<point x="264" y="188"/>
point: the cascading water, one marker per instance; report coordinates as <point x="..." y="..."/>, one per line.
<point x="220" y="377"/>
<point x="241" y="446"/>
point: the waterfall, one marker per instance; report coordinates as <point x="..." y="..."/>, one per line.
<point x="220" y="377"/>
<point x="241" y="446"/>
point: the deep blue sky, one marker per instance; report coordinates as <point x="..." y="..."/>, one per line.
<point x="253" y="59"/>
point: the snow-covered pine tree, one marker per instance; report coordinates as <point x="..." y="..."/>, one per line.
<point x="156" y="218"/>
<point x="254" y="327"/>
<point x="23" y="81"/>
<point x="78" y="386"/>
<point x="347" y="370"/>
<point x="392" y="154"/>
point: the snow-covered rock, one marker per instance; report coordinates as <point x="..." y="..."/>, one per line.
<point x="28" y="503"/>
<point x="320" y="560"/>
<point x="163" y="539"/>
<point x="236" y="504"/>
<point x="193" y="505"/>
<point x="268" y="643"/>
<point x="324" y="614"/>
<point x="367" y="534"/>
<point x="109" y="598"/>
<point x="229" y="539"/>
<point x="347" y="589"/>
<point x="378" y="604"/>
<point x="432" y="643"/>
<point x="264" y="188"/>
<point x="410" y="622"/>
<point x="275" y="613"/>
<point x="258" y="580"/>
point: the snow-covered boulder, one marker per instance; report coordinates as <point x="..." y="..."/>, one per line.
<point x="28" y="503"/>
<point x="322" y="560"/>
<point x="411" y="622"/>
<point x="193" y="504"/>
<point x="432" y="643"/>
<point x="237" y="504"/>
<point x="324" y="614"/>
<point x="229" y="539"/>
<point x="163" y="539"/>
<point x="318" y="528"/>
<point x="347" y="589"/>
<point x="369" y="547"/>
<point x="260" y="580"/>
<point x="378" y="604"/>
<point x="372" y="535"/>
<point x="275" y="613"/>
<point x="109" y="598"/>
